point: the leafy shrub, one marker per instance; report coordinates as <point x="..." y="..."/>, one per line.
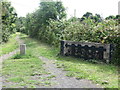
<point x="116" y="55"/>
<point x="55" y="31"/>
<point x="8" y="20"/>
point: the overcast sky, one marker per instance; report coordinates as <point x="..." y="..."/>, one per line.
<point x="102" y="7"/>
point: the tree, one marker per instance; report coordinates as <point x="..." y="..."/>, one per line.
<point x="97" y="18"/>
<point x="8" y="20"/>
<point x="110" y="17"/>
<point x="117" y="17"/>
<point x="88" y="14"/>
<point x="20" y="24"/>
<point x="37" y="21"/>
<point x="51" y="10"/>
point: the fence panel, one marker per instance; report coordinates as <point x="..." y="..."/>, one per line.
<point x="87" y="50"/>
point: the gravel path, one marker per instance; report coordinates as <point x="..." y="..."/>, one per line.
<point x="62" y="80"/>
<point x="6" y="56"/>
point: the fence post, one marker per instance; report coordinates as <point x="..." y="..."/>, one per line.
<point x="62" y="48"/>
<point x="23" y="49"/>
<point x="107" y="53"/>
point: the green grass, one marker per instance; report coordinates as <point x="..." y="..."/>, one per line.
<point x="103" y="74"/>
<point x="9" y="46"/>
<point x="16" y="79"/>
<point x="20" y="70"/>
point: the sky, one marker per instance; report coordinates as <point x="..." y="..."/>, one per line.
<point x="102" y="7"/>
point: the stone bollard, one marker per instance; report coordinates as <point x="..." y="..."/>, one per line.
<point x="23" y="49"/>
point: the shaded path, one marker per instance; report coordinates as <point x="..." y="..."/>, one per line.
<point x="64" y="81"/>
<point x="6" y="56"/>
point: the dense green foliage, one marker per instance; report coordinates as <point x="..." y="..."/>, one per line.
<point x="49" y="25"/>
<point x="20" y="24"/>
<point x="96" y="18"/>
<point x="8" y="20"/>
<point x="36" y="22"/>
<point x="113" y="17"/>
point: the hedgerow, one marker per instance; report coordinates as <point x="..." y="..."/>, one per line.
<point x="52" y="27"/>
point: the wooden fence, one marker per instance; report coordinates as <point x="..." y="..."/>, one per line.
<point x="87" y="50"/>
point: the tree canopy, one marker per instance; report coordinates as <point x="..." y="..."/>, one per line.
<point x="96" y="17"/>
<point x="51" y="10"/>
<point x="8" y="20"/>
<point x="35" y="22"/>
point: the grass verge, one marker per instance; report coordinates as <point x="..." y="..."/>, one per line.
<point x="20" y="69"/>
<point x="103" y="74"/>
<point x="11" y="45"/>
<point x="25" y="71"/>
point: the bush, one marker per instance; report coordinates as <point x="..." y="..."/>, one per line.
<point x="116" y="55"/>
<point x="8" y="20"/>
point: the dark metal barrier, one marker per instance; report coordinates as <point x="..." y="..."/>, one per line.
<point x="87" y="51"/>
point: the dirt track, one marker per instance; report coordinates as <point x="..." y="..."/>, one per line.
<point x="61" y="80"/>
<point x="6" y="56"/>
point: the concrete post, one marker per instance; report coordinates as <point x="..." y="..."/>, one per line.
<point x="23" y="49"/>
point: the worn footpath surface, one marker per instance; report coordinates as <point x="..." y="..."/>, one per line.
<point x="6" y="56"/>
<point x="61" y="80"/>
